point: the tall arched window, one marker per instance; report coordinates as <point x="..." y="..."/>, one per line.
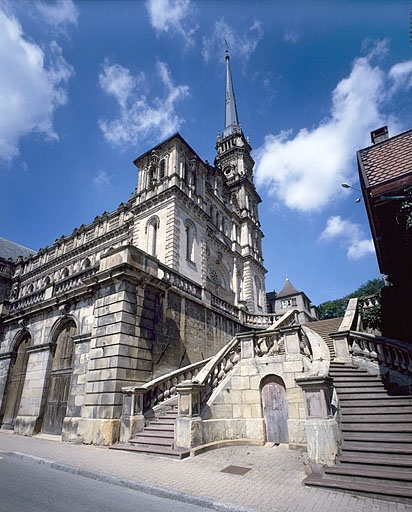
<point x="162" y="169"/>
<point x="152" y="228"/>
<point x="190" y="240"/>
<point x="258" y="288"/>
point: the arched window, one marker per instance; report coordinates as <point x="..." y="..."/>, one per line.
<point x="190" y="240"/>
<point x="86" y="264"/>
<point x="258" y="288"/>
<point x="65" y="273"/>
<point x="152" y="228"/>
<point x="162" y="169"/>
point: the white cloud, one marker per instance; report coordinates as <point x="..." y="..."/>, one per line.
<point x="32" y="85"/>
<point x="140" y="118"/>
<point x="59" y="13"/>
<point x="102" y="180"/>
<point x="305" y="170"/>
<point x="351" y="235"/>
<point x="173" y="17"/>
<point x="240" y="44"/>
<point x="291" y="35"/>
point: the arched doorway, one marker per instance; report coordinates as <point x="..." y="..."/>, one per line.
<point x="275" y="409"/>
<point x="17" y="375"/>
<point x="60" y="376"/>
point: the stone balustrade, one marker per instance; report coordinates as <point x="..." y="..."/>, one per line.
<point x="180" y="282"/>
<point x="394" y="354"/>
<point x="52" y="290"/>
<point x="138" y="400"/>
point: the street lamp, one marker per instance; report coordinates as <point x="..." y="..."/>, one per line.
<point x="346" y="185"/>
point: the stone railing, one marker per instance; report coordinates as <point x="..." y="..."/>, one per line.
<point x="28" y="301"/>
<point x="224" y="306"/>
<point x="258" y="321"/>
<point x="180" y="282"/>
<point x="158" y="390"/>
<point x="393" y="354"/>
<point x="370" y="301"/>
<point x="73" y="281"/>
<point x="217" y="368"/>
<point x="52" y="290"/>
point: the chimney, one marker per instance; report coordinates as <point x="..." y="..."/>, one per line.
<point x="379" y="135"/>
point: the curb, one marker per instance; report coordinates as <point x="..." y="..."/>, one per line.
<point x="154" y="490"/>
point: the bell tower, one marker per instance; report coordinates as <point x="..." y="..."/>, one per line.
<point x="233" y="157"/>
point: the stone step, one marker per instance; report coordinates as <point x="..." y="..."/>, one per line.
<point x="382" y="401"/>
<point x="366" y="463"/>
<point x="167" y="434"/>
<point x="152" y="441"/>
<point x="397" y="417"/>
<point x="361" y="389"/>
<point x="378" y="409"/>
<point x="398" y="437"/>
<point x="157" y="426"/>
<point x="359" y="384"/>
<point x="403" y="448"/>
<point x="390" y="456"/>
<point x="360" y="377"/>
<point x="376" y="490"/>
<point x="178" y="453"/>
<point x="399" y="477"/>
<point x="376" y="427"/>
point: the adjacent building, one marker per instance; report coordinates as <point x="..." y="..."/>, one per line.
<point x="385" y="174"/>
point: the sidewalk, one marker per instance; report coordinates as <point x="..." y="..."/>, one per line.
<point x="273" y="483"/>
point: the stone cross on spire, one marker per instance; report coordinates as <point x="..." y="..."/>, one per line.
<point x="232" y="124"/>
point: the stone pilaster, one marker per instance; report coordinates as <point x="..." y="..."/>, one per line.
<point x="77" y="387"/>
<point x="33" y="399"/>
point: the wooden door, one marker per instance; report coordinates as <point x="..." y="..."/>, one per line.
<point x="59" y="385"/>
<point x="275" y="411"/>
<point x="16" y="383"/>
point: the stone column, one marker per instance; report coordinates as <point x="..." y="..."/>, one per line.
<point x="322" y="430"/>
<point x="188" y="426"/>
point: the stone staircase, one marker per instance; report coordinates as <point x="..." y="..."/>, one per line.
<point x="157" y="438"/>
<point x="324" y="328"/>
<point x="376" y="428"/>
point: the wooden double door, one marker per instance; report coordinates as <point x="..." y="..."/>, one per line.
<point x="59" y="382"/>
<point x="17" y="375"/>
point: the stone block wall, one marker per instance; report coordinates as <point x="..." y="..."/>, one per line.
<point x="235" y="410"/>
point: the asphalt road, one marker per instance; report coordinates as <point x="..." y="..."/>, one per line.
<point x="27" y="486"/>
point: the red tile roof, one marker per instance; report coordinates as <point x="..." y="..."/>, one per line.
<point x="388" y="159"/>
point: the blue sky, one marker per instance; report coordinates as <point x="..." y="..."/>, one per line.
<point x="87" y="86"/>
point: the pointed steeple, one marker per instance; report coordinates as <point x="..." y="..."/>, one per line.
<point x="232" y="124"/>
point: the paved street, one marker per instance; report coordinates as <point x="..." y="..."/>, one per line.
<point x="25" y="485"/>
<point x="272" y="484"/>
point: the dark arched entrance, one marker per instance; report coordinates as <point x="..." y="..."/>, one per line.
<point x="275" y="409"/>
<point x="17" y="375"/>
<point x="60" y="376"/>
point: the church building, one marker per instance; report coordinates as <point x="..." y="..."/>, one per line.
<point x="163" y="281"/>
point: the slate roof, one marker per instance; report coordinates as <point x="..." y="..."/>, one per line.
<point x="387" y="160"/>
<point x="12" y="250"/>
<point x="288" y="289"/>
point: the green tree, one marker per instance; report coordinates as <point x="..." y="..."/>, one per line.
<point x="370" y="317"/>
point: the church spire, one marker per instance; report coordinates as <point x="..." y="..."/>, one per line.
<point x="232" y="124"/>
